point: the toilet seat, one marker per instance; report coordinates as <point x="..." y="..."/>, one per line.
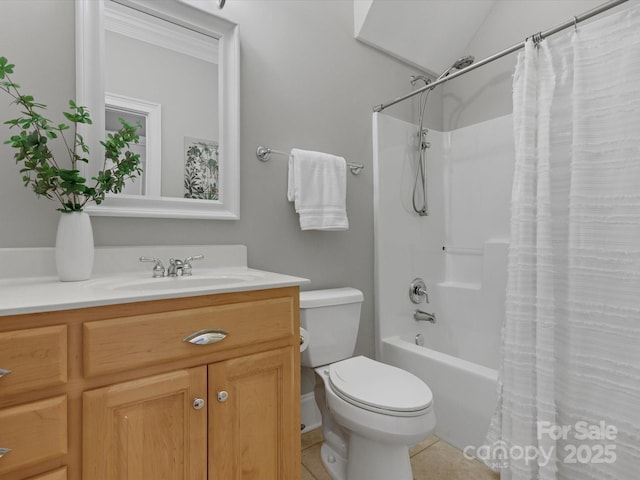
<point x="379" y="388"/>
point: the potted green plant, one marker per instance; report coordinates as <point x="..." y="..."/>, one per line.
<point x="62" y="180"/>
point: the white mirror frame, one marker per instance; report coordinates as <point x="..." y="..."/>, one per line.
<point x="90" y="92"/>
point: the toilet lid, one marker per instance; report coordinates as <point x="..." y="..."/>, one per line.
<point x="379" y="387"/>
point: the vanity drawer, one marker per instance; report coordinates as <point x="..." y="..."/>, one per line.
<point x="36" y="358"/>
<point x="130" y="342"/>
<point x="35" y="432"/>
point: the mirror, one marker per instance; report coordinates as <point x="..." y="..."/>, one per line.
<point x="173" y="67"/>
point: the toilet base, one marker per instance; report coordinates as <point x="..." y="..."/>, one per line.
<point x="333" y="462"/>
<point x="372" y="460"/>
<point x="368" y="460"/>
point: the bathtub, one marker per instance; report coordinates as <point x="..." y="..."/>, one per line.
<point x="464" y="393"/>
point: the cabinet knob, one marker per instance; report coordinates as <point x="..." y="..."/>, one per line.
<point x="223" y="395"/>
<point x="4" y="372"/>
<point x="198" y="403"/>
<point x="4" y="451"/>
<point x="207" y="336"/>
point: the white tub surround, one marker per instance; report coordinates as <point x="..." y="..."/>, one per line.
<point x="459" y="249"/>
<point x="406" y="246"/>
<point x="28" y="281"/>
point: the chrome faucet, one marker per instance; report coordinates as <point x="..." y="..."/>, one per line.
<point x="421" y="316"/>
<point x="175" y="266"/>
<point x="184" y="267"/>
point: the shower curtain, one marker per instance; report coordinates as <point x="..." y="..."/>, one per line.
<point x="569" y="386"/>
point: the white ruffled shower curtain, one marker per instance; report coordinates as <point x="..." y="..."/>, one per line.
<point x="571" y="340"/>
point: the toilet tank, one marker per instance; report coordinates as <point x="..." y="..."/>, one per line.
<point x="332" y="318"/>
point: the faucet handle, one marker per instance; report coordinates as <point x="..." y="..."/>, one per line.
<point x="158" y="268"/>
<point x="418" y="291"/>
<point x="193" y="257"/>
<point x="186" y="269"/>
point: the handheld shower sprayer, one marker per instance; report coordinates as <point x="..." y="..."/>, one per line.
<point x="464" y="62"/>
<point x="419" y="195"/>
<point x="459" y="64"/>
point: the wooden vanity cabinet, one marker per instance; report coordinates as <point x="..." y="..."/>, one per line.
<point x="142" y="403"/>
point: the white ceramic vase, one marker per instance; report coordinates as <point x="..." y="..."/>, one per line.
<point x="74" y="247"/>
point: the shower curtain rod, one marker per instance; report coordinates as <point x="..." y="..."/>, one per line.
<point x="514" y="48"/>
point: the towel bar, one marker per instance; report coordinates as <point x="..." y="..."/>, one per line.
<point x="264" y="155"/>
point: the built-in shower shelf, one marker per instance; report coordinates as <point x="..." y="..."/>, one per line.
<point x="460" y="285"/>
<point x="453" y="250"/>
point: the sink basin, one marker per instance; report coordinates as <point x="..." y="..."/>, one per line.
<point x="148" y="284"/>
<point x="178" y="283"/>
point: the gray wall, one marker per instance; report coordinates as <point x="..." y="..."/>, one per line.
<point x="486" y="93"/>
<point x="305" y="82"/>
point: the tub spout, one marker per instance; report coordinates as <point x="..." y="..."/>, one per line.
<point x="421" y="316"/>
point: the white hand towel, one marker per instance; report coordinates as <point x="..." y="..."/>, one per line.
<point x="318" y="188"/>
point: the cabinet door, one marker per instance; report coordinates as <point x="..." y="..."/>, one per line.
<point x="147" y="429"/>
<point x="254" y="417"/>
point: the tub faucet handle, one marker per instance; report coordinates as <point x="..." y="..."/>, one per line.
<point x="418" y="290"/>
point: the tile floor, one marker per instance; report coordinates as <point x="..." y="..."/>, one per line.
<point x="433" y="459"/>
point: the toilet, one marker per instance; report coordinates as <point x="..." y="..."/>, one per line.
<point x="371" y="412"/>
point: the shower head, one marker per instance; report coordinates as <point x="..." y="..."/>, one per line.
<point x="463" y="62"/>
<point x="459" y="64"/>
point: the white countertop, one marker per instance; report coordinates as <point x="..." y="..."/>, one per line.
<point x="229" y="273"/>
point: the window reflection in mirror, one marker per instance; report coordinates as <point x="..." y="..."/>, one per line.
<point x="133" y="186"/>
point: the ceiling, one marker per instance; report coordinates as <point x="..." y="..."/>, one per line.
<point x="428" y="34"/>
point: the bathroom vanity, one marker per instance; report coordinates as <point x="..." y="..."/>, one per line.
<point x="111" y="387"/>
